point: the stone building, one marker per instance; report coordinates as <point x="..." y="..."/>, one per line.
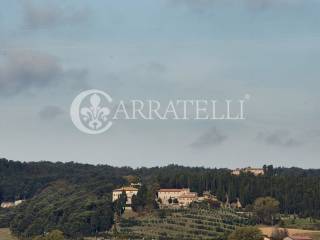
<point x="130" y="191"/>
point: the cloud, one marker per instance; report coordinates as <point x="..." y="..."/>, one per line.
<point x="51" y="15"/>
<point x="207" y="5"/>
<point x="315" y="133"/>
<point x="157" y="68"/>
<point x="50" y="112"/>
<point x="77" y="78"/>
<point x="267" y="4"/>
<point x="281" y="138"/>
<point x="148" y="70"/>
<point x="24" y="70"/>
<point x="195" y="5"/>
<point x="213" y="137"/>
<point x="28" y="70"/>
<point x="145" y="79"/>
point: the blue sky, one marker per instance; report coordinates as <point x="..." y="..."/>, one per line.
<point x="162" y="49"/>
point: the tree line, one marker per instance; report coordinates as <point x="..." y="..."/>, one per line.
<point x="76" y="198"/>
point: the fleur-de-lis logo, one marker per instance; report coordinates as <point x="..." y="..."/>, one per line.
<point x="91" y="118"/>
<point x="95" y="115"/>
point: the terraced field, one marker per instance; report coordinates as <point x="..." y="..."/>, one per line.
<point x="182" y="224"/>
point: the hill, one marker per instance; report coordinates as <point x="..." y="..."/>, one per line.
<point x="70" y="196"/>
<point x="75" y="211"/>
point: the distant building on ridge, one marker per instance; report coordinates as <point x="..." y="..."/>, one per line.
<point x="180" y="197"/>
<point x="11" y="204"/>
<point x="254" y="171"/>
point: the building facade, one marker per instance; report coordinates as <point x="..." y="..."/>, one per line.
<point x="7" y="205"/>
<point x="11" y="204"/>
<point x="254" y="171"/>
<point x="181" y="197"/>
<point x="186" y="199"/>
<point x="130" y="191"/>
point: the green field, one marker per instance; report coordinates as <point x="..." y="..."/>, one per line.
<point x="182" y="224"/>
<point x="301" y="223"/>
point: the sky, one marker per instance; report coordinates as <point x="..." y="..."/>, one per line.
<point x="50" y="51"/>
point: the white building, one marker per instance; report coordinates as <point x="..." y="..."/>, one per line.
<point x="7" y="205"/>
<point x="173" y="193"/>
<point x="11" y="204"/>
<point x="185" y="199"/>
<point x="18" y="202"/>
<point x="130" y="191"/>
<point x="254" y="171"/>
<point x="184" y="196"/>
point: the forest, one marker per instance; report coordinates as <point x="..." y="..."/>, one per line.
<point x="76" y="198"/>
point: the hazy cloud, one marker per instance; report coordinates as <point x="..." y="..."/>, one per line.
<point x="25" y="70"/>
<point x="211" y="138"/>
<point x="281" y="138"/>
<point x="313" y="134"/>
<point x="77" y="78"/>
<point x="205" y="5"/>
<point x="50" y="15"/>
<point x="267" y="4"/>
<point x="154" y="67"/>
<point x="50" y="112"/>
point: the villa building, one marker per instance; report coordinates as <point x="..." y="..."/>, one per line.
<point x="183" y="196"/>
<point x="130" y="191"/>
<point x="173" y="193"/>
<point x="7" y="205"/>
<point x="185" y="199"/>
<point x="208" y="196"/>
<point x="254" y="171"/>
<point x="11" y="204"/>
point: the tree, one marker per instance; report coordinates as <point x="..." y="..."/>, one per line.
<point x="175" y="201"/>
<point x="265" y="209"/>
<point x="213" y="203"/>
<point x="142" y="196"/>
<point x="268" y="170"/>
<point x="134" y="203"/>
<point x="87" y="186"/>
<point x="151" y="202"/>
<point x="132" y="179"/>
<point x="120" y="204"/>
<point x="119" y="207"/>
<point x="81" y="213"/>
<point x="246" y="233"/>
<point x="139" y="202"/>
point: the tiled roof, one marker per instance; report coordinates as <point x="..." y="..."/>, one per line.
<point x="172" y="190"/>
<point x="125" y="189"/>
<point x="190" y="195"/>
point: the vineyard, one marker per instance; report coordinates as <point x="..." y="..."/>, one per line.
<point x="182" y="224"/>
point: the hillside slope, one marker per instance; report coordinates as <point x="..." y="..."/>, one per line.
<point x="182" y="224"/>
